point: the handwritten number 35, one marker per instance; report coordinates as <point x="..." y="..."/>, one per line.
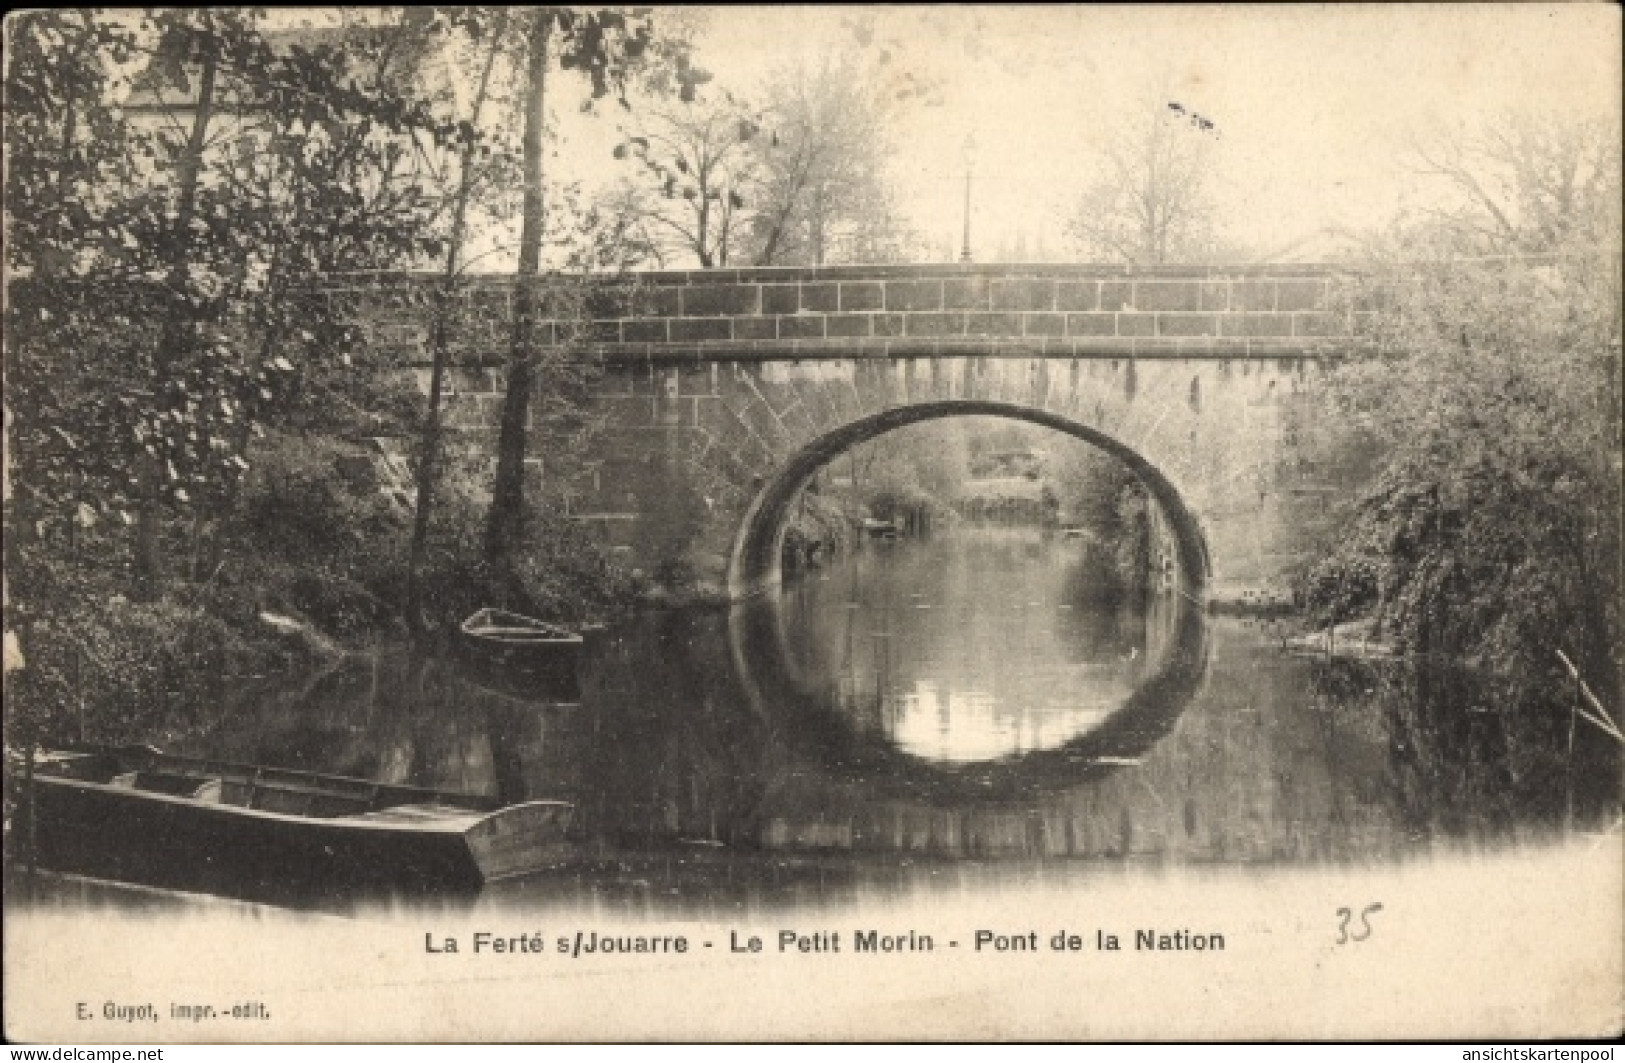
<point x="1345" y="914"/>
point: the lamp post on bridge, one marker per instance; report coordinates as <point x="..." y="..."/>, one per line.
<point x="970" y="157"/>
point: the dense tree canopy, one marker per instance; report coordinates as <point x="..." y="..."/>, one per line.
<point x="1490" y="376"/>
<point x="191" y="166"/>
<point x="187" y="412"/>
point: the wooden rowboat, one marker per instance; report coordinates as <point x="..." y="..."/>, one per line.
<point x="1356" y="639"/>
<point x="880" y="529"/>
<point x="514" y="650"/>
<point x="185" y="823"/>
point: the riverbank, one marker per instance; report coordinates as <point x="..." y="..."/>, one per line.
<point x="311" y="563"/>
<point x="1250" y="600"/>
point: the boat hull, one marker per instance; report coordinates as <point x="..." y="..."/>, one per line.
<point x="409" y="853"/>
<point x="540" y="663"/>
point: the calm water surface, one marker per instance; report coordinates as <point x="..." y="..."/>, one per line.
<point x="964" y="710"/>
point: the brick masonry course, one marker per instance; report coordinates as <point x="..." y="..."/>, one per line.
<point x="995" y="310"/>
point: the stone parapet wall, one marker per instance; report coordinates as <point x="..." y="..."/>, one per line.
<point x="888" y="312"/>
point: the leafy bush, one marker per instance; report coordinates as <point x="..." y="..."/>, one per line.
<point x="1496" y="568"/>
<point x="818" y="528"/>
<point x="130" y="671"/>
<point x="564" y="575"/>
<point x="317" y="495"/>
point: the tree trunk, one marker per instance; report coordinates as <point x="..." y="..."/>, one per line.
<point x="818" y="228"/>
<point x="770" y="247"/>
<point x="177" y="325"/>
<point x="704" y="228"/>
<point x="506" y="525"/>
<point x="429" y="450"/>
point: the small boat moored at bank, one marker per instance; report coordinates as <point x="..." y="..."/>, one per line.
<point x="518" y="651"/>
<point x="1356" y="639"/>
<point x="283" y="836"/>
<point x="880" y="529"/>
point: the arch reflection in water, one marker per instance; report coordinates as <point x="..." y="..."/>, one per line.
<point x="978" y="664"/>
<point x="779" y="753"/>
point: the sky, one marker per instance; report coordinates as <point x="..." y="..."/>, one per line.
<point x="1314" y="104"/>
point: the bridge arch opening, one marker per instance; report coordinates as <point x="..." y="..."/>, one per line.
<point x="755" y="560"/>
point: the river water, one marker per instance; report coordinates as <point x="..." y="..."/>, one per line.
<point x="965" y="711"/>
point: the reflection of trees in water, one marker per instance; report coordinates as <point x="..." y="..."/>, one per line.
<point x="321" y="719"/>
<point x="393" y="717"/>
<point x="850" y="788"/>
<point x="1100" y="621"/>
<point x="1474" y="754"/>
<point x="1376" y="757"/>
<point x="706" y="727"/>
<point x="676" y="752"/>
<point x="661" y="748"/>
<point x="982" y="633"/>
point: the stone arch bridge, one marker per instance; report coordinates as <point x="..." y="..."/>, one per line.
<point x="724" y="391"/>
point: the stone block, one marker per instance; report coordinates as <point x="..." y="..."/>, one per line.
<point x="1252" y="295"/>
<point x="966" y="293"/>
<point x="645" y="331"/>
<point x="992" y="324"/>
<point x="690" y="329"/>
<point x="1300" y="295"/>
<point x="625" y="380"/>
<point x="914" y="295"/>
<point x="701" y="411"/>
<point x="627" y="412"/>
<point x="862" y="295"/>
<point x="1077" y="295"/>
<point x="755" y="328"/>
<point x="1091" y="324"/>
<point x="1316" y="324"/>
<point x="661" y="302"/>
<point x="781" y="298"/>
<point x="721" y="300"/>
<point x="802" y="327"/>
<point x="889" y="324"/>
<point x="1027" y="293"/>
<point x="848" y="325"/>
<point x="1116" y="295"/>
<point x="669" y="411"/>
<point x="1257" y="324"/>
<point x="1215" y="295"/>
<point x="1136" y="324"/>
<point x="466" y="382"/>
<point x="694" y="380"/>
<point x="1043" y="324"/>
<point x="609" y="302"/>
<point x="1187" y="325"/>
<point x="935" y="324"/>
<point x="820" y="298"/>
<point x="1167" y="295"/>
